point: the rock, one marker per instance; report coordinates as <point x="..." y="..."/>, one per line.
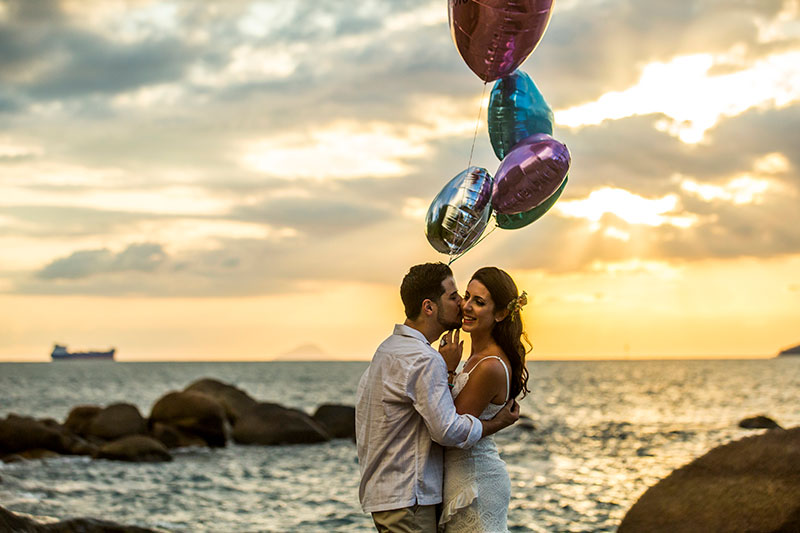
<point x="526" y="423"/>
<point x="80" y="418"/>
<point x="192" y="412"/>
<point x="117" y="420"/>
<point x="37" y="453"/>
<point x="137" y="448"/>
<point x="30" y="455"/>
<point x="270" y="423"/>
<point x="752" y="485"/>
<point x="235" y="401"/>
<point x="13" y="522"/>
<point x="77" y="446"/>
<point x="759" y="422"/>
<point x="172" y="437"/>
<point x="795" y="350"/>
<point x="338" y="420"/>
<point x="19" y="433"/>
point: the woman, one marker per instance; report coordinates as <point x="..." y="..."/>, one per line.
<point x="477" y="489"/>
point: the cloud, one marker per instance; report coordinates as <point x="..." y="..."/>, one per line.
<point x="229" y="135"/>
<point x="692" y="99"/>
<point x="580" y="59"/>
<point x="314" y="217"/>
<point x="144" y="257"/>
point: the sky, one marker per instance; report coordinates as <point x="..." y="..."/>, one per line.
<point x="232" y="180"/>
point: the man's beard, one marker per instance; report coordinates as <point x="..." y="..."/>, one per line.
<point x="447" y="325"/>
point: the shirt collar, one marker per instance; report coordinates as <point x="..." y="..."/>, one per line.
<point x="407" y="331"/>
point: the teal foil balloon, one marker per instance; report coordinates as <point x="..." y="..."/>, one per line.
<point x="460" y="212"/>
<point x="516" y="110"/>
<point x="520" y="220"/>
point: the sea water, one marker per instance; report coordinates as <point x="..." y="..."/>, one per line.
<point x="605" y="431"/>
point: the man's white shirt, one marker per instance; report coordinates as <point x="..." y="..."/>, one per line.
<point x="403" y="405"/>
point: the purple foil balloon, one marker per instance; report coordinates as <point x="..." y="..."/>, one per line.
<point x="494" y="37"/>
<point x="530" y="173"/>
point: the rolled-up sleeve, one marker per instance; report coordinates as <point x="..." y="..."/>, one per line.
<point x="431" y="396"/>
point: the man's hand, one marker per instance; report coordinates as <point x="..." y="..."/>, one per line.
<point x="507" y="416"/>
<point x="451" y="349"/>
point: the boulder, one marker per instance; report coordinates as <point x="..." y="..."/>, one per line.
<point x="115" y="421"/>
<point x="80" y="418"/>
<point x="137" y="448"/>
<point x="30" y="455"/>
<point x="13" y="522"/>
<point x="270" y="423"/>
<point x="192" y="412"/>
<point x="759" y="422"/>
<point x="234" y="400"/>
<point x="20" y="433"/>
<point x="526" y="423"/>
<point x="172" y="437"/>
<point x="752" y="485"/>
<point x="338" y="420"/>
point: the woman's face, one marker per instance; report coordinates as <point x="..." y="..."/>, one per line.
<point x="478" y="308"/>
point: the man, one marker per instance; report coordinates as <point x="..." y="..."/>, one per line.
<point x="405" y="412"/>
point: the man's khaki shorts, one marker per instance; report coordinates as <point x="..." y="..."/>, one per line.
<point x="414" y="519"/>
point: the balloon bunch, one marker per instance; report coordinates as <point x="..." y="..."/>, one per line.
<point x="494" y="37"/>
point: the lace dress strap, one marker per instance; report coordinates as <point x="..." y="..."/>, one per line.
<point x="508" y="378"/>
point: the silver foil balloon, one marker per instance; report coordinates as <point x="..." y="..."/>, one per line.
<point x="460" y="212"/>
<point x="516" y="110"/>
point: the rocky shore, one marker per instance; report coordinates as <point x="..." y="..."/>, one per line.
<point x="751" y="485"/>
<point x="206" y="413"/>
<point x="16" y="523"/>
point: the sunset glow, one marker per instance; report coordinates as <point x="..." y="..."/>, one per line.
<point x="229" y="181"/>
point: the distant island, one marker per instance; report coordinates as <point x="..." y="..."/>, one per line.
<point x="790" y="351"/>
<point x="306" y="352"/>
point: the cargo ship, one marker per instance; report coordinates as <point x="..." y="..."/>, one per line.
<point x="60" y="353"/>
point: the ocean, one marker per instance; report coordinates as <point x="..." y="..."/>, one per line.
<point x="605" y="431"/>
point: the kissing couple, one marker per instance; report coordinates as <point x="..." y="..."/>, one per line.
<point x="423" y="430"/>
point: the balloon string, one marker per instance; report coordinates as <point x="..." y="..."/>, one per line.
<point x="459" y="252"/>
<point x="477" y="124"/>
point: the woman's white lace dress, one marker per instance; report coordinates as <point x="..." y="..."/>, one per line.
<point x="477" y="489"/>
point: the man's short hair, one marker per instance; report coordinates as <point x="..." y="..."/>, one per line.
<point x="423" y="282"/>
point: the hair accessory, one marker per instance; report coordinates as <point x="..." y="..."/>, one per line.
<point x="518" y="303"/>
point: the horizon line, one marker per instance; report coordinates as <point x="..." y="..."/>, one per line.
<point x="603" y="358"/>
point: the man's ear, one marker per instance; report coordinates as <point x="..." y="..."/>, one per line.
<point x="427" y="306"/>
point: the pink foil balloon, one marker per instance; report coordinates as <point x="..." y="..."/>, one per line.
<point x="529" y="174"/>
<point x="494" y="37"/>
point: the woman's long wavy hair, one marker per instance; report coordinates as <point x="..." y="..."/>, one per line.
<point x="508" y="333"/>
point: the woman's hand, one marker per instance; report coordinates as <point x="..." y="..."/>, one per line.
<point x="451" y="349"/>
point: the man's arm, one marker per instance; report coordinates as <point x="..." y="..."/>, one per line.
<point x="451" y="352"/>
<point x="508" y="415"/>
<point x="427" y="388"/>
